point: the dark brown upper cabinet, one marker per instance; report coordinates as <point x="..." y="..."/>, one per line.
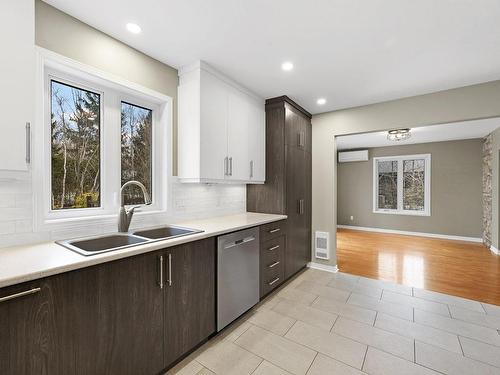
<point x="288" y="177"/>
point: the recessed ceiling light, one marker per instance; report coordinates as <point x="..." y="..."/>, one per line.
<point x="287" y="66"/>
<point x="321" y="101"/>
<point x="133" y="28"/>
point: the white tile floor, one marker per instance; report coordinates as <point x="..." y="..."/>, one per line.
<point x="323" y="323"/>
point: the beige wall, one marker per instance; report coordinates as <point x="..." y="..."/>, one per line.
<point x="467" y="103"/>
<point x="456" y="190"/>
<point x="70" y="37"/>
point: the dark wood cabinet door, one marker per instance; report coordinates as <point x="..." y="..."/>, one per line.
<point x="297" y="202"/>
<point x="27" y="343"/>
<point x="189" y="297"/>
<point x="297" y="129"/>
<point x="109" y="318"/>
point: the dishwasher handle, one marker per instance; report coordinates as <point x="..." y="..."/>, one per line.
<point x="239" y="242"/>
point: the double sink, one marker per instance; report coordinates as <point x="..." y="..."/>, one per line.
<point x="119" y="241"/>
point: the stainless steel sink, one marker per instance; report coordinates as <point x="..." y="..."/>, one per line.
<point x="102" y="244"/>
<point x="165" y="233"/>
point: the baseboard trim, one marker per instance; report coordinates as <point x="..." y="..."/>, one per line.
<point x="408" y="233"/>
<point x="494" y="250"/>
<point x="323" y="267"/>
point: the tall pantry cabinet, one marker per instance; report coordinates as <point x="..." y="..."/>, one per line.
<point x="288" y="177"/>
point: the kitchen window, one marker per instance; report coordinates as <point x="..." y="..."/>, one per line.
<point x="401" y="185"/>
<point x="99" y="132"/>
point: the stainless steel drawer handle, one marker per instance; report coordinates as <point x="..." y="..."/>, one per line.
<point x="160" y="282"/>
<point x="274" y="281"/>
<point x="169" y="280"/>
<point x="20" y="294"/>
<point x="274" y="230"/>
<point x="274" y="264"/>
<point x="273" y="248"/>
<point x="28" y="142"/>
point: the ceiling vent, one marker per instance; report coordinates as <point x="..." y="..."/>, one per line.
<point x="350" y="156"/>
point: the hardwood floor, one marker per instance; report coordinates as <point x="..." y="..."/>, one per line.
<point x="464" y="269"/>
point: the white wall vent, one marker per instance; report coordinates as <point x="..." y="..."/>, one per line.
<point x="321" y="245"/>
<point x="349" y="156"/>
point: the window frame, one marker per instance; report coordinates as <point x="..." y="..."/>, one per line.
<point x="427" y="185"/>
<point x="113" y="91"/>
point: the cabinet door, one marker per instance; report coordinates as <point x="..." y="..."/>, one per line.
<point x="17" y="63"/>
<point x="238" y="135"/>
<point x="298" y="129"/>
<point x="109" y="318"/>
<point x="297" y="226"/>
<point x="257" y="143"/>
<point x="213" y="131"/>
<point x="27" y="341"/>
<point x="189" y="297"/>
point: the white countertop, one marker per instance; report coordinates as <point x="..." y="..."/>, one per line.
<point x="30" y="262"/>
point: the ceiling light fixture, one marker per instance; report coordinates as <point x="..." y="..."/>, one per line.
<point x="321" y="101"/>
<point x="398" y="134"/>
<point x="287" y="66"/>
<point x="133" y="28"/>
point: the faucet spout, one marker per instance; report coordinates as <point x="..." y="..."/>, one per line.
<point x="125" y="215"/>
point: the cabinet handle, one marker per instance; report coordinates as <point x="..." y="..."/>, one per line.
<point x="274" y="281"/>
<point x="169" y="280"/>
<point x="273" y="248"/>
<point x="274" y="230"/>
<point x="160" y="273"/>
<point x="28" y="142"/>
<point x="300" y="136"/>
<point x="274" y="264"/>
<point x="226" y="173"/>
<point x="302" y="207"/>
<point x="251" y="168"/>
<point x="230" y="166"/>
<point x="20" y="294"/>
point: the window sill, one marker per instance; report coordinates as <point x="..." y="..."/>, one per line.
<point x="405" y="213"/>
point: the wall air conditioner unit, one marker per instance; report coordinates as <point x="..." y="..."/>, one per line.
<point x="321" y="242"/>
<point x="350" y="156"/>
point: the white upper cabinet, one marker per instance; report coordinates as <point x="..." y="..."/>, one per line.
<point x="17" y="64"/>
<point x="221" y="129"/>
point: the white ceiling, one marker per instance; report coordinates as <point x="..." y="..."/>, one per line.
<point x="425" y="134"/>
<point x="351" y="52"/>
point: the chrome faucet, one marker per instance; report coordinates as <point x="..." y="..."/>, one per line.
<point x="125" y="215"/>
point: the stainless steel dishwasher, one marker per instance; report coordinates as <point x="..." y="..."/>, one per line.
<point x="237" y="274"/>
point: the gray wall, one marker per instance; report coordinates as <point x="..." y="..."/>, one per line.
<point x="61" y="33"/>
<point x="456" y="190"/>
<point x="465" y="103"/>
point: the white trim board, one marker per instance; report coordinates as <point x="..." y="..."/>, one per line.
<point x="494" y="250"/>
<point x="323" y="267"/>
<point x="408" y="233"/>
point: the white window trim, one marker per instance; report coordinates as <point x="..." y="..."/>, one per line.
<point x="117" y="90"/>
<point x="427" y="191"/>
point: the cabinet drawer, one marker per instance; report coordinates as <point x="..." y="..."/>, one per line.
<point x="272" y="250"/>
<point x="271" y="278"/>
<point x="272" y="230"/>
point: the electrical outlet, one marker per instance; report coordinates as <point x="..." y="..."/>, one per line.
<point x="352" y="218"/>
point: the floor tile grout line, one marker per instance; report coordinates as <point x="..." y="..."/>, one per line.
<point x="312" y="362"/>
<point x="364" y="358"/>
<point x="255" y="369"/>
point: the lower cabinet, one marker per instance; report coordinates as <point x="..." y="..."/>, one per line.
<point x="189" y="304"/>
<point x="112" y="318"/>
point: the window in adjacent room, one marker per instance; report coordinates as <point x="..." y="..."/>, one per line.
<point x="401" y="185"/>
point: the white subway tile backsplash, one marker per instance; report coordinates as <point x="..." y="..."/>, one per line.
<point x="188" y="201"/>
